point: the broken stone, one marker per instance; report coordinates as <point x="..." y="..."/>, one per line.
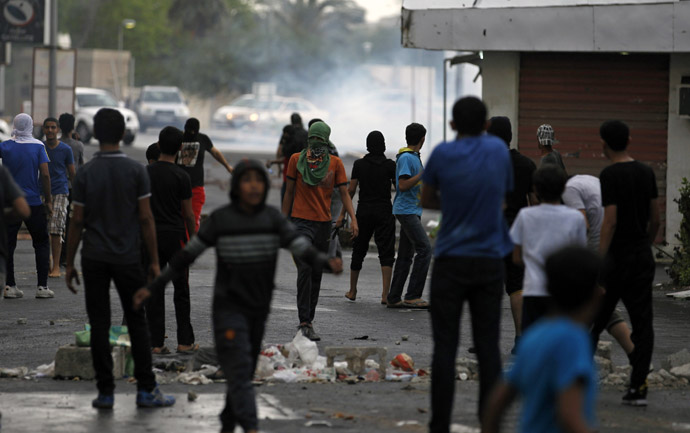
<point x="624" y="369"/>
<point x="668" y="377"/>
<point x="192" y="396"/>
<point x="51" y="323"/>
<point x="397" y="343"/>
<point x="405" y="337"/>
<point x="682" y="371"/>
<point x="604" y="349"/>
<point x="678" y="359"/>
<point x="604" y="366"/>
<point x="21" y="321"/>
<point x="615" y="379"/>
<point x="318" y="423"/>
<point x="356" y="357"/>
<point x="655" y="378"/>
<point x="470" y="364"/>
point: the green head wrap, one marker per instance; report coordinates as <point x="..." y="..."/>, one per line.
<point x="314" y="161"/>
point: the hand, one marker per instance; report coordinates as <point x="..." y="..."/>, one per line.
<point x="71" y="274"/>
<point x="269" y="164"/>
<point x="49" y="208"/>
<point x="354" y="227"/>
<point x="154" y="271"/>
<point x="140" y="297"/>
<point x="336" y="265"/>
<point x="339" y="222"/>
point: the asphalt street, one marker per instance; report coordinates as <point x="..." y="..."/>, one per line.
<point x="61" y="406"/>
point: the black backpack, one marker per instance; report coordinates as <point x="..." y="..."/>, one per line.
<point x="295" y="140"/>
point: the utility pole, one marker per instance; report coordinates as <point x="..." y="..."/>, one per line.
<point x="52" y="84"/>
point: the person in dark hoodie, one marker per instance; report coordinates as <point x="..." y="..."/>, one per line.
<point x="521" y="196"/>
<point x="375" y="175"/>
<point x="247" y="235"/>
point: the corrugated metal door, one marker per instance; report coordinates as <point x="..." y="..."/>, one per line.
<point x="576" y="92"/>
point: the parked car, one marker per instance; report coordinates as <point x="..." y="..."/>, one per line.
<point x="88" y="101"/>
<point x="161" y="106"/>
<point x="248" y="111"/>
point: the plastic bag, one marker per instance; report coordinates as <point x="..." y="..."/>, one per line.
<point x="118" y="336"/>
<point x="306" y="349"/>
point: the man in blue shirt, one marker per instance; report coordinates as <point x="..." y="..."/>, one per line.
<point x="554" y="368"/>
<point x="61" y="167"/>
<point x="407" y="208"/>
<point x="25" y="157"/>
<point x="467" y="179"/>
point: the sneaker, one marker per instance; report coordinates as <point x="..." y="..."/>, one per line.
<point x="44" y="293"/>
<point x="12" y="292"/>
<point x="308" y="331"/>
<point x="103" y="401"/>
<point x="636" y="397"/>
<point x="154" y="398"/>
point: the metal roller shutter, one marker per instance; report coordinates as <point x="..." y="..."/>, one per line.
<point x="576" y="92"/>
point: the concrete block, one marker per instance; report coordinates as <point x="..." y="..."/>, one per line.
<point x="470" y="364"/>
<point x="72" y="361"/>
<point x="357" y="356"/>
<point x="676" y="360"/>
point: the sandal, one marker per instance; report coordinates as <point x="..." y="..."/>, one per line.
<point x="416" y="303"/>
<point x="193" y="348"/>
<point x="163" y="350"/>
<point x="398" y="304"/>
<point x="350" y="298"/>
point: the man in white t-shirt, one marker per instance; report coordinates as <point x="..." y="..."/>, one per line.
<point x="539" y="231"/>
<point x="583" y="192"/>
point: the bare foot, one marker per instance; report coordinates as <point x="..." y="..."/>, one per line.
<point x="55" y="274"/>
<point x="351" y="296"/>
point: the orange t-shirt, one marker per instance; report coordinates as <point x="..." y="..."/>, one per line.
<point x="313" y="203"/>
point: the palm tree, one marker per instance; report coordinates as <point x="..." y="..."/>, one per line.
<point x="199" y="16"/>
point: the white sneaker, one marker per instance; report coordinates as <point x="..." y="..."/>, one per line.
<point x="44" y="292"/>
<point x="12" y="292"/>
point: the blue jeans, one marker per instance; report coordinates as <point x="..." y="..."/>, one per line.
<point x="414" y="243"/>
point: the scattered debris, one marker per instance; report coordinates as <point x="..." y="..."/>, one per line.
<point x="405" y="337"/>
<point x="21" y="321"/>
<point x="14" y="372"/>
<point x="677" y="359"/>
<point x="363" y="337"/>
<point x="192" y="396"/>
<point x="685" y="294"/>
<point x="404" y="423"/>
<point x="318" y="423"/>
<point x="403" y="361"/>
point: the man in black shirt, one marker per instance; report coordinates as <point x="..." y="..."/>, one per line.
<point x="112" y="206"/>
<point x="521" y="196"/>
<point x="191" y="159"/>
<point x="631" y="221"/>
<point x="375" y="175"/>
<point x="171" y="203"/>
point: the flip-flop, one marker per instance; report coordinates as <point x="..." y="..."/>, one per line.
<point x="160" y="351"/>
<point x="192" y="349"/>
<point x="398" y="304"/>
<point x="416" y="303"/>
<point x="351" y="299"/>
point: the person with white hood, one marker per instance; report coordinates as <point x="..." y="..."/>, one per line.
<point x="25" y="157"/>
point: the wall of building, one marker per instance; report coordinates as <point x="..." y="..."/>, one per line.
<point x="500" y="86"/>
<point x="678" y="145"/>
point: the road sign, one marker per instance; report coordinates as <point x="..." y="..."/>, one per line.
<point x="22" y="20"/>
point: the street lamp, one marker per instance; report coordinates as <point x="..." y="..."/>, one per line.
<point x="475" y="59"/>
<point x="128" y="24"/>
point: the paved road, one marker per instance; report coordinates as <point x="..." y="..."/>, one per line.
<point x="47" y="405"/>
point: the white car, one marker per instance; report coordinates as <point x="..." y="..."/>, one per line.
<point x="87" y="103"/>
<point x="248" y="111"/>
<point x="159" y="106"/>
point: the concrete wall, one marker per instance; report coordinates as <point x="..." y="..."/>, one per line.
<point x="678" y="146"/>
<point x="500" y="86"/>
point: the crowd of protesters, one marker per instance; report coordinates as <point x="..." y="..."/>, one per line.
<point x="506" y="225"/>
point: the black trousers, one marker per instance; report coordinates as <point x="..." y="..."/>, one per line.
<point x="629" y="278"/>
<point x="37" y="224"/>
<point x="479" y="281"/>
<point x="128" y="279"/>
<point x="238" y="343"/>
<point x="309" y="277"/>
<point x="533" y="309"/>
<point x="168" y="245"/>
<point x="381" y="225"/>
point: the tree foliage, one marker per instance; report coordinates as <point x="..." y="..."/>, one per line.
<point x="679" y="270"/>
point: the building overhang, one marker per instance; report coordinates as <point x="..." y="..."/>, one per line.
<point x="644" y="26"/>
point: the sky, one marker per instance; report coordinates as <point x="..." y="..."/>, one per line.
<point x="377" y="9"/>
